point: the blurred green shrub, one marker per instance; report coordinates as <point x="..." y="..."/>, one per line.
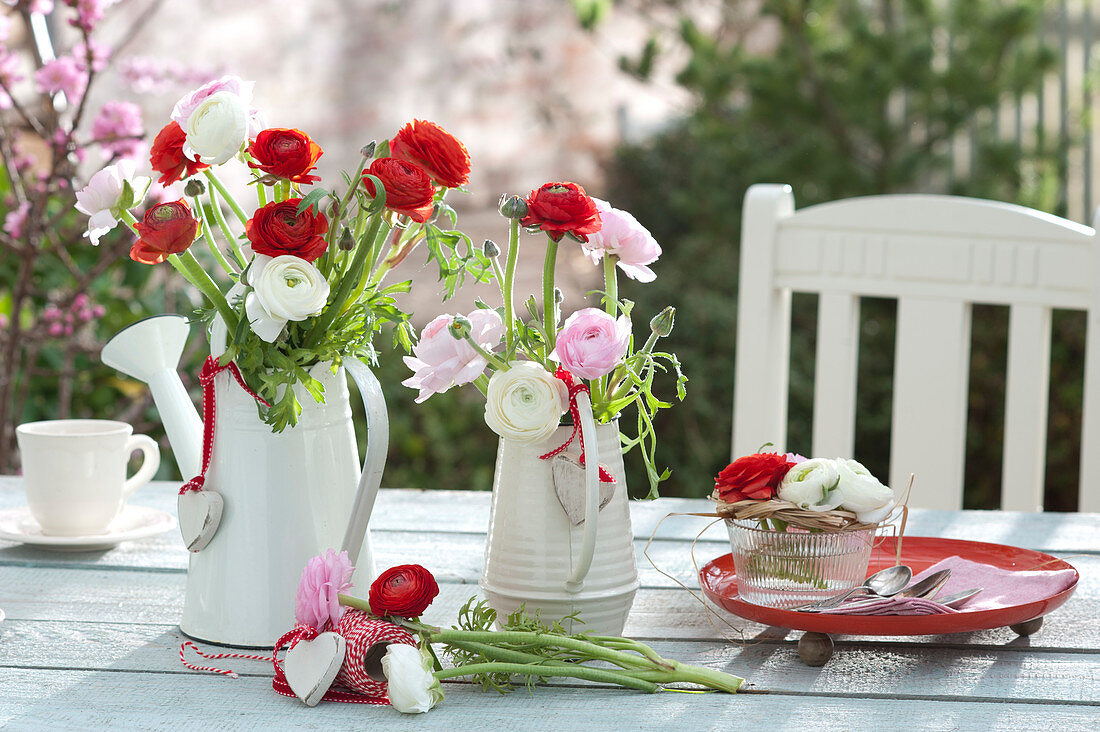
<point x="854" y="98"/>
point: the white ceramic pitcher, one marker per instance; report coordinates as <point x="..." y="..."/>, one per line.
<point x="536" y="557"/>
<point x="287" y="496"/>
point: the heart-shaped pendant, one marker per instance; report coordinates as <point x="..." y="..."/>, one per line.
<point x="199" y="513"/>
<point x="311" y="666"/>
<point x="570" y="486"/>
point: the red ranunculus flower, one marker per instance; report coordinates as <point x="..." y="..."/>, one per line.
<point x="289" y="154"/>
<point x="167" y="228"/>
<point x="752" y="477"/>
<point x="409" y="190"/>
<point x="404" y="591"/>
<point x="562" y="208"/>
<point x="167" y="158"/>
<point x="435" y="150"/>
<point x="278" y="229"/>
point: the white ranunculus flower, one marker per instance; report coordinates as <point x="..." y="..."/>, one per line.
<point x="410" y="685"/>
<point x="217" y="129"/>
<point x="812" y="485"/>
<point x="286" y="288"/>
<point x="862" y="493"/>
<point x="525" y="402"/>
<point x="102" y="199"/>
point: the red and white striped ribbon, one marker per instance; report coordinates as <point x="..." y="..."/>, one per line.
<point x="575" y="388"/>
<point x="210" y="369"/>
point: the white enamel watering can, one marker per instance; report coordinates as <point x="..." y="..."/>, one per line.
<point x="287" y="497"/>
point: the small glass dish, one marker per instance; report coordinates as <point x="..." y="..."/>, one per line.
<point x="782" y="569"/>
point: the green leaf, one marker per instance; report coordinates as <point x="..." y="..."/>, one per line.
<point x="312" y="200"/>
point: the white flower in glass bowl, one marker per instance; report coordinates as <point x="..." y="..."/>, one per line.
<point x="524" y="402"/>
<point x="811" y="484"/>
<point x="862" y="493"/>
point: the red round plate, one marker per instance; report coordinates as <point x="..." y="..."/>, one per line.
<point x="719" y="583"/>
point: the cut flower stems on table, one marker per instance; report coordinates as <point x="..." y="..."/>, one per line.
<point x="523" y="646"/>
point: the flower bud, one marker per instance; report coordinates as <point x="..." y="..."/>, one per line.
<point x="512" y="207"/>
<point x="368" y="150"/>
<point x="491" y="249"/>
<point x="663" y="321"/>
<point x="347" y="241"/>
<point x="559" y="296"/>
<point x="460" y="327"/>
<point x="194" y="187"/>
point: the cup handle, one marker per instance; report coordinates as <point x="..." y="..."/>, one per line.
<point x="150" y="462"/>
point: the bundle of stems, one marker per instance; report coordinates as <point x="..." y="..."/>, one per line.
<point x="524" y="646"/>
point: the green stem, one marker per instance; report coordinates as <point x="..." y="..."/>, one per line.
<point x="611" y="284"/>
<point x="492" y="358"/>
<point x="186" y="262"/>
<point x="482" y="384"/>
<point x="227" y="232"/>
<point x="224" y="192"/>
<point x="129" y="219"/>
<point x="586" y="673"/>
<point x="364" y="279"/>
<point x="549" y="306"/>
<point x="261" y="194"/>
<point x="540" y="640"/>
<point x="349" y="281"/>
<point x="209" y="237"/>
<point x="509" y="283"/>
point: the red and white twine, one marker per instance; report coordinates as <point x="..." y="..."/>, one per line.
<point x="575" y="387"/>
<point x="210" y="369"/>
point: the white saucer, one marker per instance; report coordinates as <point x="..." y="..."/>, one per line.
<point x="135" y="522"/>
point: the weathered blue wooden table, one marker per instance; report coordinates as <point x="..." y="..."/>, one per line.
<point x="91" y="642"/>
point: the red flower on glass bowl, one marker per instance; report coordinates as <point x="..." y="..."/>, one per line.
<point x="752" y="477"/>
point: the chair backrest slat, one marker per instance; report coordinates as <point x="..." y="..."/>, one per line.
<point x="936" y="255"/>
<point x="834" y="426"/>
<point x="1027" y="384"/>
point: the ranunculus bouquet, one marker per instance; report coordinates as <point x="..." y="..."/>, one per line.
<point x="387" y="652"/>
<point x="799" y="529"/>
<point x="818" y="493"/>
<point x="535" y="361"/>
<point x="298" y="280"/>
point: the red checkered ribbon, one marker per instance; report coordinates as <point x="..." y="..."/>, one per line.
<point x="575" y="387"/>
<point x="211" y="669"/>
<point x="362" y="631"/>
<point x="306" y="633"/>
<point x="210" y="369"/>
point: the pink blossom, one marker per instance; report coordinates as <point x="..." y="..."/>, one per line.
<point x="592" y="343"/>
<point x="55" y="329"/>
<point x="16" y="219"/>
<point x="622" y="236"/>
<point x="181" y="113"/>
<point x="43" y="7"/>
<point x="324" y="577"/>
<point x="100" y="55"/>
<point x="118" y="128"/>
<point x="64" y="75"/>
<point x="88" y="13"/>
<point x="440" y="361"/>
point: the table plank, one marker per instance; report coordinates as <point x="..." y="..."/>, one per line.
<point x="94" y="700"/>
<point x="942" y="673"/>
<point x="52" y="594"/>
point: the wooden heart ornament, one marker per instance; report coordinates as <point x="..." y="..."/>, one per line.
<point x="570" y="487"/>
<point x="311" y="666"/>
<point x="199" y="513"/>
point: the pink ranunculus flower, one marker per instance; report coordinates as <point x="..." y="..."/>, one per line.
<point x="440" y="361"/>
<point x="324" y="577"/>
<point x="186" y="106"/>
<point x="100" y="199"/>
<point x="627" y="239"/>
<point x="592" y="343"/>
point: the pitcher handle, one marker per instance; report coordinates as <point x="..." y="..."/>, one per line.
<point x="575" y="583"/>
<point x="374" y="462"/>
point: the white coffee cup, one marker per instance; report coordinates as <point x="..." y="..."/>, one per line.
<point x="74" y="471"/>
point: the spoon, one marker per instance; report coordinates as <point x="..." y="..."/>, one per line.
<point x="957" y="598"/>
<point x="926" y="586"/>
<point x="884" y="583"/>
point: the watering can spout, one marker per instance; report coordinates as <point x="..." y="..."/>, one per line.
<point x="149" y="351"/>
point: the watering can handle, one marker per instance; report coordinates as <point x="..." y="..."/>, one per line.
<point x="575" y="583"/>
<point x="378" y="441"/>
